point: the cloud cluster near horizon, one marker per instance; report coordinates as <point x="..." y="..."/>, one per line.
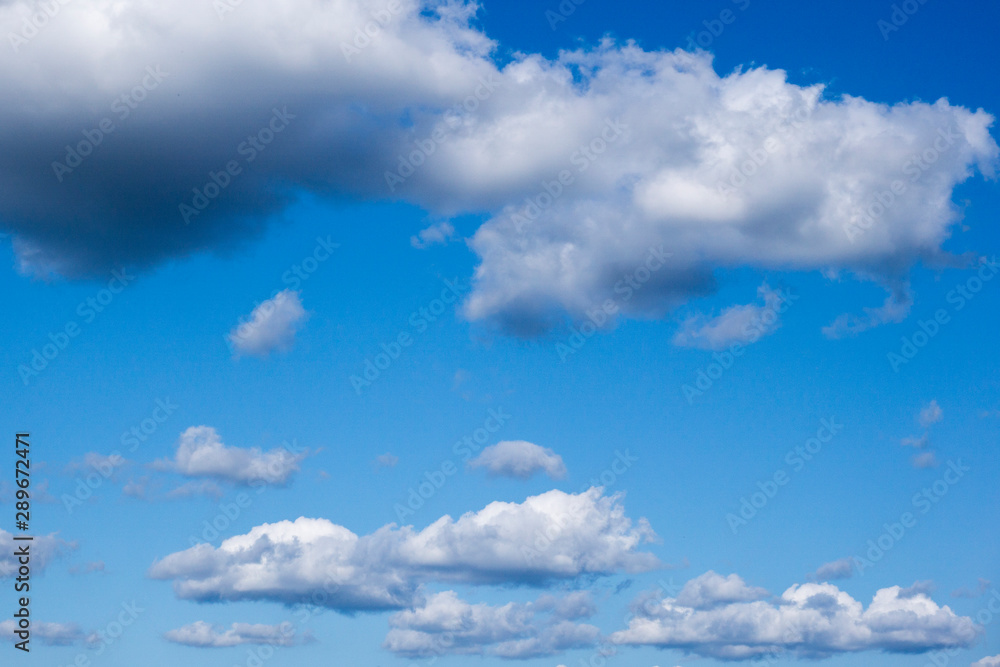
<point x="551" y="537"/>
<point x="723" y="618"/>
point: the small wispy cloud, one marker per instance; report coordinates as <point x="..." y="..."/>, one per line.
<point x="895" y="309"/>
<point x="930" y="414"/>
<point x="519" y="460"/>
<point x="438" y="234"/>
<point x="386" y="460"/>
<point x="834" y="570"/>
<point x="736" y="324"/>
<point x="270" y="327"/>
<point x="205" y="635"/>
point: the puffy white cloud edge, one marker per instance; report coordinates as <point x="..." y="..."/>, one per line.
<point x="550" y="537"/>
<point x="519" y="459"/>
<point x="722" y="617"/>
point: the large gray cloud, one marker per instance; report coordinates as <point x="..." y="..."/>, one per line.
<point x="653" y="149"/>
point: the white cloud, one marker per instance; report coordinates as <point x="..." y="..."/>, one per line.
<point x="553" y="536"/>
<point x="201" y="453"/>
<point x="993" y="661"/>
<point x="440" y="233"/>
<point x="520" y="460"/>
<point x="87" y="568"/>
<point x="137" y="488"/>
<point x="386" y="460"/>
<point x="647" y="138"/>
<point x="448" y="625"/>
<point x="930" y="414"/>
<point x="50" y="634"/>
<point x="838" y="569"/>
<point x="926" y="460"/>
<point x="44" y="549"/>
<point x="810" y="620"/>
<point x="712" y="590"/>
<point x="736" y="324"/>
<point x="895" y="309"/>
<point x="688" y="130"/>
<point x="271" y="326"/>
<point x="105" y="465"/>
<point x="206" y="635"/>
<point x="194" y="488"/>
<point x="916" y="442"/>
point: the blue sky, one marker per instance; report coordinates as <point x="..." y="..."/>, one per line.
<point x="327" y="269"/>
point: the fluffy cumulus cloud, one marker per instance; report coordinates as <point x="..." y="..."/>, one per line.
<point x="930" y="414"/>
<point x="580" y="163"/>
<point x="201" y="453"/>
<point x="271" y="326"/>
<point x="44" y="549"/>
<point x="734" y="621"/>
<point x="206" y="635"/>
<point x="737" y="324"/>
<point x="520" y="460"/>
<point x="448" y="625"/>
<point x="550" y="537"/>
<point x="993" y="661"/>
<point x="711" y="590"/>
